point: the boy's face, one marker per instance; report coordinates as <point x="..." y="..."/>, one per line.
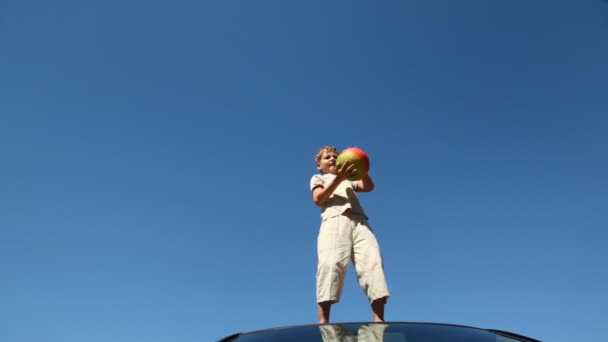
<point x="327" y="164"/>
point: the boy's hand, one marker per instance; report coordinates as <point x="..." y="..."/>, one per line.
<point x="345" y="170"/>
<point x="321" y="194"/>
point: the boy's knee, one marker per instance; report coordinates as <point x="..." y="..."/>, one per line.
<point x="380" y="301"/>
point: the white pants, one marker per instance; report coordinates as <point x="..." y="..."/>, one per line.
<point x="343" y="239"/>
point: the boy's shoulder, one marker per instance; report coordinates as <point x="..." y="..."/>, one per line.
<point x="320" y="179"/>
<point x="323" y="176"/>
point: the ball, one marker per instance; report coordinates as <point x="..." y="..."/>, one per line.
<point x="355" y="156"/>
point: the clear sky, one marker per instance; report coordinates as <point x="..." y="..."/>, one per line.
<point x="156" y="158"/>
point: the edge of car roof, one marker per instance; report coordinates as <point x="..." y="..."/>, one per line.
<point x="512" y="334"/>
<point x="497" y="331"/>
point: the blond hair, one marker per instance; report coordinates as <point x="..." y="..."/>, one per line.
<point x="326" y="148"/>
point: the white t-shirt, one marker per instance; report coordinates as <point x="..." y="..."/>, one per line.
<point x="343" y="198"/>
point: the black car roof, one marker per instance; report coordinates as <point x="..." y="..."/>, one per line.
<point x="496" y="331"/>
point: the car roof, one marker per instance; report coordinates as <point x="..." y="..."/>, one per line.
<point x="496" y="331"/>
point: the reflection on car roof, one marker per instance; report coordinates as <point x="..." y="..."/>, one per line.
<point x="378" y="332"/>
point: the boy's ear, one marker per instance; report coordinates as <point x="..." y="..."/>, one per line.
<point x="318" y="166"/>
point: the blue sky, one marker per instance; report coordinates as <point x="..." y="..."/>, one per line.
<point x="156" y="157"/>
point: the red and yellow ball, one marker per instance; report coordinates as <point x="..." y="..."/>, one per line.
<point x="358" y="157"/>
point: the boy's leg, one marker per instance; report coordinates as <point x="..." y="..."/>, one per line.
<point x="370" y="271"/>
<point x="324" y="310"/>
<point x="334" y="251"/>
<point x="378" y="309"/>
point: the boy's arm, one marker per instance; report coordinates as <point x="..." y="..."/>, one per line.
<point x="321" y="194"/>
<point x="366" y="184"/>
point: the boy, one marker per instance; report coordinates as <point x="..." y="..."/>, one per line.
<point x="344" y="235"/>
